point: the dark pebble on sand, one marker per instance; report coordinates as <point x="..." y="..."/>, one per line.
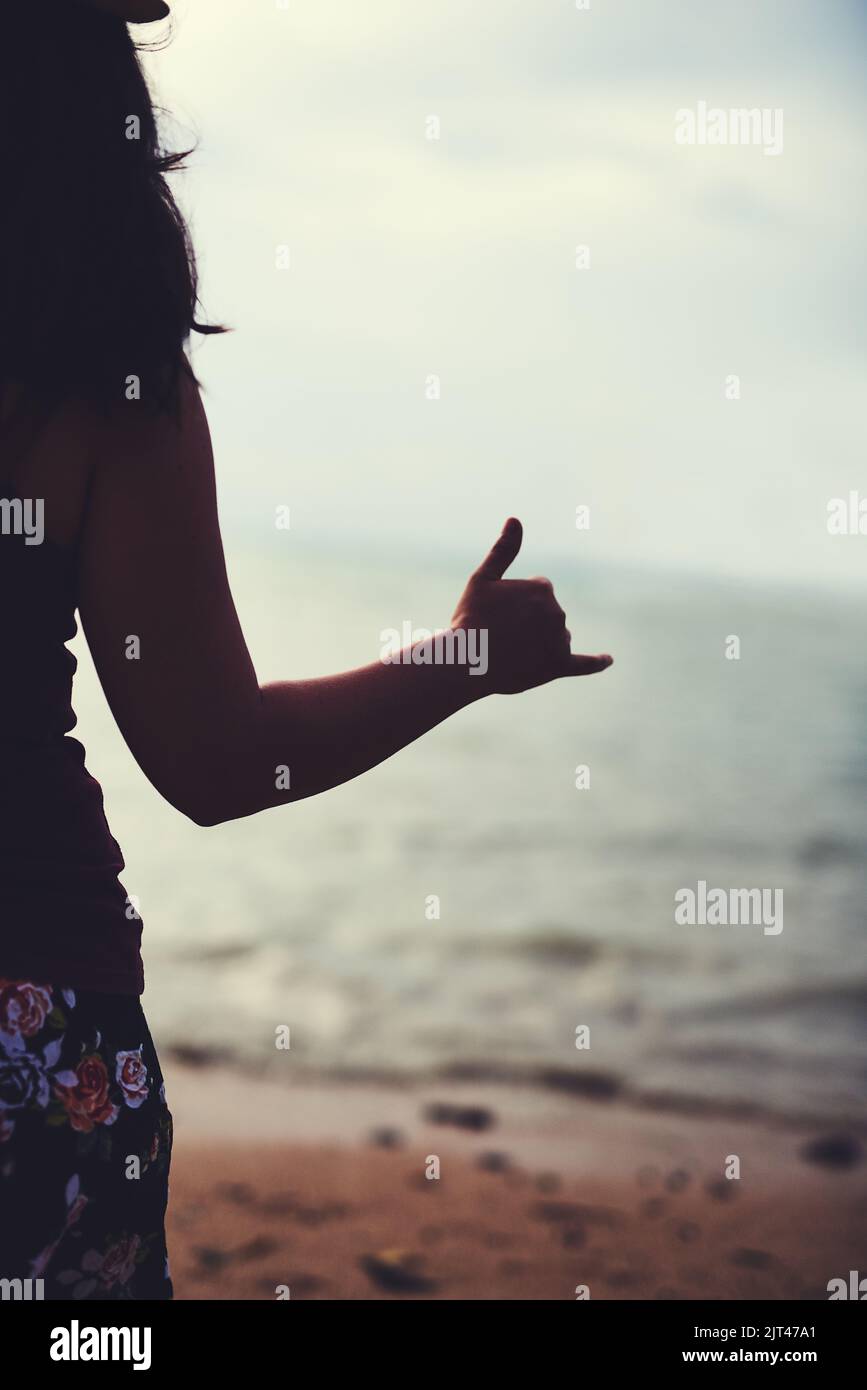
<point x="189" y="1055"/>
<point x="493" y="1162"/>
<point x="721" y="1189"/>
<point x="548" y="1182"/>
<point x="751" y="1259"/>
<point x="833" y="1151"/>
<point x="593" y="1085"/>
<point x="386" y="1138"/>
<point x="209" y="1258"/>
<point x="473" y="1117"/>
<point x="688" y="1232"/>
<point x="575" y="1238"/>
<point x="396" y="1273"/>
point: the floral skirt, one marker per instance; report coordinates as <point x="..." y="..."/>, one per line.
<point x="85" y="1145"/>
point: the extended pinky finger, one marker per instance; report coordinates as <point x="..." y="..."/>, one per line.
<point x="587" y="665"/>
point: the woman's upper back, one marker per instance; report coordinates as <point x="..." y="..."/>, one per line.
<point x="63" y="913"/>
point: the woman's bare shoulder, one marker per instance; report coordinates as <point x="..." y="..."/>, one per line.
<point x="134" y="431"/>
<point x="44" y="454"/>
<point x="65" y="454"/>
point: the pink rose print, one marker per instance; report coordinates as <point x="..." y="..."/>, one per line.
<point x="117" y="1265"/>
<point x="132" y="1076"/>
<point x="23" y="1007"/>
<point x="86" y="1102"/>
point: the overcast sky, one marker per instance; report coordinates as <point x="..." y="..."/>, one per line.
<point x="456" y="257"/>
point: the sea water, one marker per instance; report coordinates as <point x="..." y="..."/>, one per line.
<point x="506" y="887"/>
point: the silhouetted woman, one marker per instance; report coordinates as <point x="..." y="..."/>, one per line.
<point x="107" y="505"/>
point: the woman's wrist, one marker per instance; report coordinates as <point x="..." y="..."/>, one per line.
<point x="456" y="658"/>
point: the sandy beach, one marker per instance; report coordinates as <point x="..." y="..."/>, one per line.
<point x="323" y="1191"/>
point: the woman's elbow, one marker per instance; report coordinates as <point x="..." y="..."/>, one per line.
<point x="203" y="811"/>
<point x="210" y="811"/>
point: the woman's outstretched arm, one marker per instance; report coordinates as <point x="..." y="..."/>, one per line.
<point x="161" y="624"/>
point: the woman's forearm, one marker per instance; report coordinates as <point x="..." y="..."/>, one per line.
<point x="312" y="735"/>
<point x="294" y="739"/>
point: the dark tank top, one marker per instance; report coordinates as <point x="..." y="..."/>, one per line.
<point x="64" y="917"/>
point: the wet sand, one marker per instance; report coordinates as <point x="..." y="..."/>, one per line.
<point x="322" y="1192"/>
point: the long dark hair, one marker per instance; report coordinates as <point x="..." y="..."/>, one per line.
<point x="97" y="273"/>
